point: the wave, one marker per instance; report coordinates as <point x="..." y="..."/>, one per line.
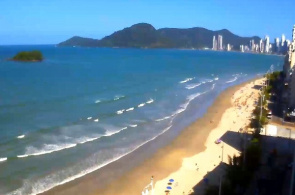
<point x="117" y="97"/>
<point x="216" y="79"/>
<point x="112" y="132"/>
<point x="165" y="118"/>
<point x="141" y="105"/>
<point x="89" y="118"/>
<point x="96" y="120"/>
<point x="186" y="80"/>
<point x="48" y="148"/>
<point x="133" y="125"/>
<point x="120" y="111"/>
<point x="88" y="139"/>
<point x="150" y="101"/>
<point x="97" y="101"/>
<point x="233" y="80"/>
<point x="20" y="136"/>
<point x="192" y="86"/>
<point x="44" y="185"/>
<point x="129" y="109"/>
<point x="3" y="159"/>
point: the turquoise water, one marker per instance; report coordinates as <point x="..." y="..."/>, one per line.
<point x="82" y="108"/>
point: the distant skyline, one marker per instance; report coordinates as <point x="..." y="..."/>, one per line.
<point x="51" y="22"/>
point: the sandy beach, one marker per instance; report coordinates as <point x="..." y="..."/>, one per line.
<point x="195" y="168"/>
<point x="187" y="159"/>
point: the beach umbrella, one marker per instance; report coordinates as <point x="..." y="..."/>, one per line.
<point x="169" y="188"/>
<point x="171" y="180"/>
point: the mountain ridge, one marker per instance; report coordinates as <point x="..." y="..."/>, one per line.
<point x="144" y="35"/>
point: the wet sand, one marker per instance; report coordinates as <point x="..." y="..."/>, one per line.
<point x="159" y="163"/>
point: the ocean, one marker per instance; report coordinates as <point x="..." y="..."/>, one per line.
<point x="83" y="108"/>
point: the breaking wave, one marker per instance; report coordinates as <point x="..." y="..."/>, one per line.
<point x="47" y="149"/>
<point x="233" y="80"/>
<point x="54" y="180"/>
<point x="192" y="86"/>
<point x="3" y="159"/>
<point x="20" y="136"/>
<point x="129" y="109"/>
<point x="141" y="105"/>
<point x="150" y="101"/>
<point x="186" y="80"/>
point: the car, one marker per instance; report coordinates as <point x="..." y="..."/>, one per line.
<point x="269" y="115"/>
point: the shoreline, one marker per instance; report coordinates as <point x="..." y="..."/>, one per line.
<point x="159" y="163"/>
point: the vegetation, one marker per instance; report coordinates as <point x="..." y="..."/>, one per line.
<point x="144" y="35"/>
<point x="27" y="56"/>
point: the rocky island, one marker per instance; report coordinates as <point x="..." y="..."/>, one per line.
<point x="28" y="56"/>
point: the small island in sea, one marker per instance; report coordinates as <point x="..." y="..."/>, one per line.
<point x="28" y="56"/>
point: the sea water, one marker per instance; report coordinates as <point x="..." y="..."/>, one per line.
<point x="83" y="108"/>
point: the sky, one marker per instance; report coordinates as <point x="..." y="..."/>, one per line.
<point x="53" y="21"/>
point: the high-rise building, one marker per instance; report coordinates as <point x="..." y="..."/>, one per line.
<point x="289" y="69"/>
<point x="228" y="47"/>
<point x="242" y="48"/>
<point x="277" y="45"/>
<point x="252" y="45"/>
<point x="266" y="46"/>
<point x="256" y="48"/>
<point x="283" y="40"/>
<point x="214" y="47"/>
<point x="261" y="46"/>
<point x="219" y="43"/>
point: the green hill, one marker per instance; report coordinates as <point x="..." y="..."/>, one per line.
<point x="144" y="35"/>
<point x="28" y="56"/>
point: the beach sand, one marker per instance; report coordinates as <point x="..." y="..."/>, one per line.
<point x="187" y="159"/>
<point x="206" y="164"/>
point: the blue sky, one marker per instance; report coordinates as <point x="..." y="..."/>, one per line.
<point x="53" y="21"/>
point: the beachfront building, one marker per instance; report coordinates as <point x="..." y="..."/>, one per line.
<point x="289" y="70"/>
<point x="252" y="45"/>
<point x="242" y="48"/>
<point x="276" y="48"/>
<point x="266" y="44"/>
<point x="220" y="47"/>
<point x="217" y="43"/>
<point x="228" y="47"/>
<point x="261" y="46"/>
<point x="214" y="45"/>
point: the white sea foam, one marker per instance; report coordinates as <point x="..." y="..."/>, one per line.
<point x="192" y="86"/>
<point x="186" y="80"/>
<point x="117" y="97"/>
<point x="129" y="109"/>
<point x="213" y="86"/>
<point x="120" y="111"/>
<point x="89" y="118"/>
<point x="97" y="101"/>
<point x="96" y="120"/>
<point x="20" y="136"/>
<point x="233" y="80"/>
<point x="46" y="149"/>
<point x="54" y="180"/>
<point x="165" y="118"/>
<point x="88" y="139"/>
<point x="216" y="79"/>
<point x="112" y="132"/>
<point x="141" y="105"/>
<point x="133" y="125"/>
<point x="150" y="101"/>
<point x="3" y="159"/>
